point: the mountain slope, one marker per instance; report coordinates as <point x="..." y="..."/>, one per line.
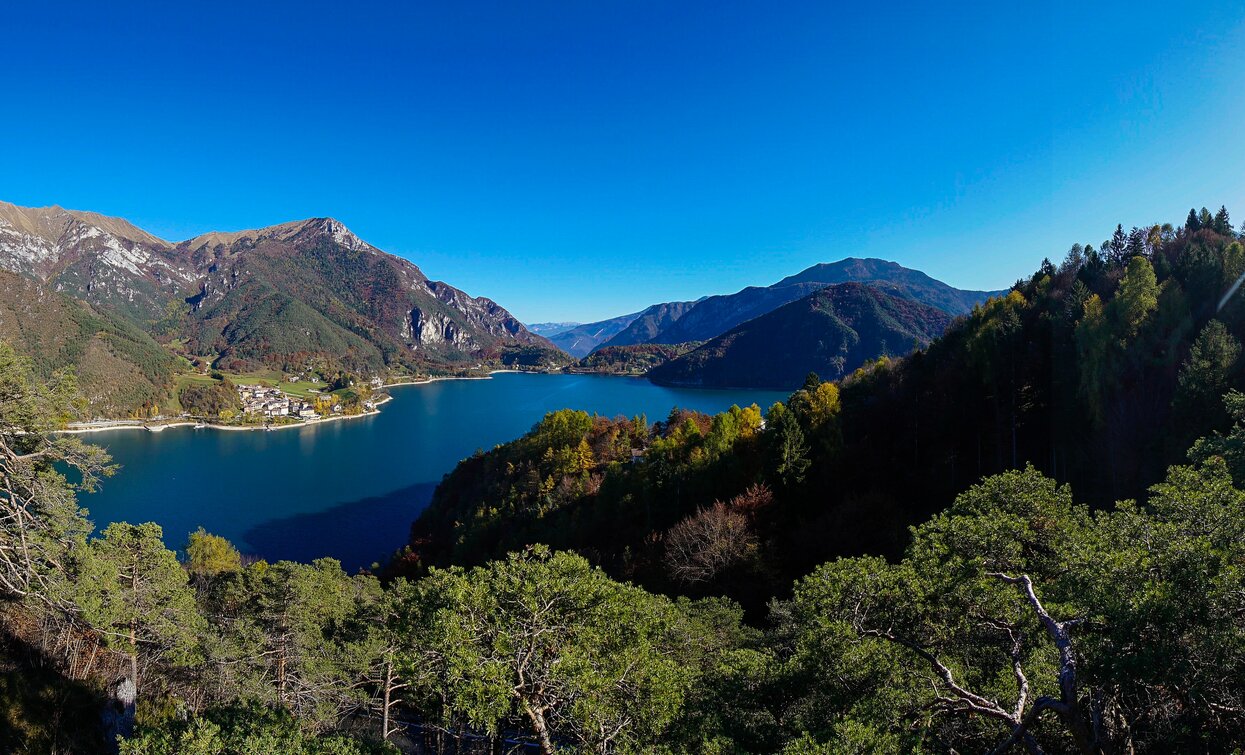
<point x="315" y="288"/>
<point x="651" y="323"/>
<point x="914" y="284"/>
<point x="291" y="294"/>
<point x="581" y="340"/>
<point x="104" y="261"/>
<point x="119" y="367"/>
<point x="715" y="315"/>
<point x="549" y="329"/>
<point x="831" y="332"/>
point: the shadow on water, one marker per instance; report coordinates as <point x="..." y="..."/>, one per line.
<point x="357" y="533"/>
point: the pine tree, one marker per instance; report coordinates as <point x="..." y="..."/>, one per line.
<point x="790" y="448"/>
<point x="1222" y="225"/>
<point x="1192" y="224"/>
<point x="134" y="592"/>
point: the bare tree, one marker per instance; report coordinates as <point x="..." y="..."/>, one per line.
<point x="708" y="542"/>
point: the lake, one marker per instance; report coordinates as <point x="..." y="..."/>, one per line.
<point x="351" y="489"/>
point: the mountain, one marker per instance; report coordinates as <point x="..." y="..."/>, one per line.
<point x="831" y="332"/>
<point x="548" y="329"/>
<point x="651" y="323"/>
<point x="300" y="293"/>
<point x="914" y="284"/>
<point x="107" y="262"/>
<point x="581" y="340"/>
<point x="118" y="365"/>
<point x="314" y="288"/>
<point x="715" y="315"/>
<point x="636" y="359"/>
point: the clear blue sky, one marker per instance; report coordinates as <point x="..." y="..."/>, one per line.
<point x="583" y="159"/>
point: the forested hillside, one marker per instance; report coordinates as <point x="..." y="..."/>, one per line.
<point x="1009" y="621"/>
<point x="632" y="360"/>
<point x="120" y="368"/>
<point x="1099" y="372"/>
<point x="832" y="331"/>
<point x="892" y="563"/>
<point x="301" y="296"/>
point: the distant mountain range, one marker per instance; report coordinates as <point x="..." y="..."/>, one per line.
<point x="548" y="329"/>
<point x="120" y="305"/>
<point x="831" y="332"/>
<point x="304" y="293"/>
<point x="581" y="340"/>
<point x="711" y="316"/>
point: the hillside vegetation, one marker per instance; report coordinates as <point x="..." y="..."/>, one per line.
<point x="831" y="332"/>
<point x="1027" y="536"/>
<point x="121" y="370"/>
<point x="1099" y="372"/>
<point x="637" y="359"/>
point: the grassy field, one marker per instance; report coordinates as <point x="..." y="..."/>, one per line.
<point x="268" y="378"/>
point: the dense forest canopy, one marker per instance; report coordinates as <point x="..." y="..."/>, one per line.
<point x="1069" y="456"/>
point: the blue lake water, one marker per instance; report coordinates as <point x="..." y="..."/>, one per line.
<point x="351" y="489"/>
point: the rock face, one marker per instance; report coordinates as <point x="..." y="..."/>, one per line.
<point x="305" y="290"/>
<point x="104" y="261"/>
<point x="831" y="332"/>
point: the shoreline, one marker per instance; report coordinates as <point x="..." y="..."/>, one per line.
<point x="136" y="424"/>
<point x="159" y="428"/>
<point x="103" y="426"/>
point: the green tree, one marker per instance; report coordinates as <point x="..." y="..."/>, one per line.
<point x="132" y="590"/>
<point x="1204" y="377"/>
<point x="209" y="555"/>
<point x="1221" y="224"/>
<point x="789" y="449"/>
<point x="243" y="730"/>
<point x="297" y="635"/>
<point x="548" y="638"/>
<point x="41" y="525"/>
<point x="1229" y="446"/>
<point x="965" y="642"/>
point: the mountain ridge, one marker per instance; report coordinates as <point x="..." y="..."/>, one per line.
<point x="712" y="316"/>
<point x="831" y="331"/>
<point x="291" y="295"/>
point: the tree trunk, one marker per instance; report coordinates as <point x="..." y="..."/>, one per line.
<point x="384" y="728"/>
<point x="541" y="728"/>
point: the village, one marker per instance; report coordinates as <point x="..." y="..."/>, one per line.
<point x="272" y="403"/>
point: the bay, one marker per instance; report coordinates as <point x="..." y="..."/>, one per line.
<point x="350" y="489"/>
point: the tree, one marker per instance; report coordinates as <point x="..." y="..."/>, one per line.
<point x="41" y="526"/>
<point x="1136" y="297"/>
<point x="547" y="637"/>
<point x="1221" y="224"/>
<point x="705" y="544"/>
<point x="1193" y="224"/>
<point x="960" y="627"/>
<point x="209" y="555"/>
<point x="132" y="590"/>
<point x="1204" y="377"/>
<point x="789" y="449"/>
<point x="1230" y="446"/>
<point x="242" y="729"/>
<point x="1162" y="646"/>
<point x="297" y="635"/>
<point x="1204" y="218"/>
